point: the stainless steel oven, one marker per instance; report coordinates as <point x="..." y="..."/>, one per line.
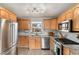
<point x="65" y="26"/>
<point x="58" y="48"/>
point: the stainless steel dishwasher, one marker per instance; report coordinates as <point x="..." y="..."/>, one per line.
<point x="45" y="43"/>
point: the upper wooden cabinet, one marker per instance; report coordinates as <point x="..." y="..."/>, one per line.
<point x="53" y="24"/>
<point x="46" y="24"/>
<point x="4" y="14"/>
<point x="50" y="24"/>
<point x="12" y="17"/>
<point x="61" y="18"/>
<point x="76" y="19"/>
<point x="69" y="14"/>
<point x="24" y="24"/>
<point x="7" y="15"/>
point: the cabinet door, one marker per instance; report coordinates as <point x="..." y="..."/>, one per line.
<point x="4" y="14"/>
<point x="69" y="14"/>
<point x="53" y="24"/>
<point x="62" y="17"/>
<point x="13" y="17"/>
<point x="23" y="41"/>
<point x="66" y="51"/>
<point x="24" y="24"/>
<point x="31" y="42"/>
<point x="52" y="43"/>
<point x="37" y="43"/>
<point x="46" y="24"/>
<point x="76" y="19"/>
<point x="20" y="24"/>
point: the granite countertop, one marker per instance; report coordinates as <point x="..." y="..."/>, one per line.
<point x="32" y="35"/>
<point x="68" y="43"/>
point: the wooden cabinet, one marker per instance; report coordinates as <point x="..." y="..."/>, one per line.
<point x="69" y="14"/>
<point x="24" y="24"/>
<point x="52" y="44"/>
<point x="34" y="43"/>
<point x="53" y="24"/>
<point x="38" y="42"/>
<point x="7" y="15"/>
<point x="73" y="14"/>
<point x="61" y="18"/>
<point x="20" y="24"/>
<point x="4" y="14"/>
<point x="76" y="19"/>
<point x="23" y="41"/>
<point x="50" y="24"/>
<point x="12" y="17"/>
<point x="46" y="24"/>
<point x="66" y="51"/>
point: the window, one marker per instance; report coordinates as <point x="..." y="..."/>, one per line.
<point x="37" y="27"/>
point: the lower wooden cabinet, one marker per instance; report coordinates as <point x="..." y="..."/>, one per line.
<point x="31" y="43"/>
<point x="51" y="43"/>
<point x="66" y="51"/>
<point x="38" y="43"/>
<point x="23" y="41"/>
<point x="34" y="43"/>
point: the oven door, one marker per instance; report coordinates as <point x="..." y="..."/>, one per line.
<point x="58" y="49"/>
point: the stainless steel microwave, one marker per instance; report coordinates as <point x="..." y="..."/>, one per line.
<point x="65" y="26"/>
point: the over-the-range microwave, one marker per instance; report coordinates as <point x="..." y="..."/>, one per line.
<point x="65" y="26"/>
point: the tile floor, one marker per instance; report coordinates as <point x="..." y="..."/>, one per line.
<point x="25" y="51"/>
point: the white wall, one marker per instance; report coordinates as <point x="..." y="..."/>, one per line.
<point x="37" y="19"/>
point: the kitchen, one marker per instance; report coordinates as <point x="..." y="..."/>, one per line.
<point x="39" y="29"/>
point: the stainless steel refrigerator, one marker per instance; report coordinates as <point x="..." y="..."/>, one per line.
<point x="8" y="36"/>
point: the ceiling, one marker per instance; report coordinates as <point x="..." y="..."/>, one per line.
<point x="52" y="10"/>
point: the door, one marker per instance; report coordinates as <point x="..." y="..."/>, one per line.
<point x="53" y="24"/>
<point x="4" y="14"/>
<point x="23" y="41"/>
<point x="31" y="42"/>
<point x="46" y="24"/>
<point x="76" y="19"/>
<point x="37" y="43"/>
<point x="52" y="44"/>
<point x="69" y="14"/>
<point x="24" y="24"/>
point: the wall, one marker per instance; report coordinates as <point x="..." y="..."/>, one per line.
<point x="37" y="19"/>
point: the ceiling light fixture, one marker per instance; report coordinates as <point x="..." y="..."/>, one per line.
<point x="36" y="10"/>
